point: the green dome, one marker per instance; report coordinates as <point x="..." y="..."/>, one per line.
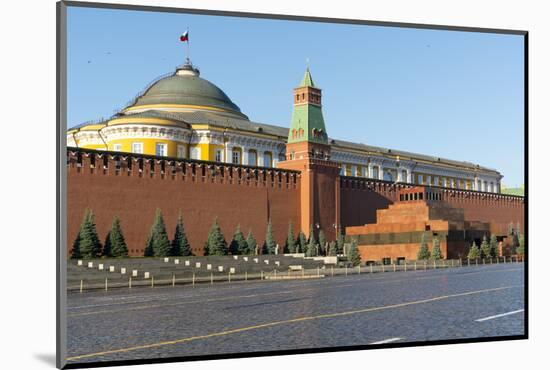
<point x="185" y="87"/>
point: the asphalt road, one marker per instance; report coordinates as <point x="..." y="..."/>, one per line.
<point x="160" y="322"/>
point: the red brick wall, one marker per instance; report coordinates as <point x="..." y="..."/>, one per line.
<point x="134" y="200"/>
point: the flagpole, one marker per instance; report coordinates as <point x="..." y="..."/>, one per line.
<point x="188" y="55"/>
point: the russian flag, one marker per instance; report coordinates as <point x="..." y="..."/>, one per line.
<point x="185" y="36"/>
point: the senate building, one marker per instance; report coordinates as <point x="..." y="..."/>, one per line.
<point x="184" y="147"/>
<point x="183" y="115"/>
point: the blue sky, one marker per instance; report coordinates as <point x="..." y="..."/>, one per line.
<point x="457" y="95"/>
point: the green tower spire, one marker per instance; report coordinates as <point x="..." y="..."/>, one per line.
<point x="307" y="117"/>
<point x="307" y="80"/>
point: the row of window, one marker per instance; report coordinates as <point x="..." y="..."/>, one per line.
<point x="420" y="179"/>
<point x="161" y="150"/>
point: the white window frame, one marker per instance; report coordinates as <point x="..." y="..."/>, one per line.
<point x="252" y="154"/>
<point x="117" y="147"/>
<point x="164" y="151"/>
<point x="268" y="163"/>
<point x="195" y="152"/>
<point x="181" y="151"/>
<point x="139" y="145"/>
<point x="236" y="156"/>
<point x="218" y="155"/>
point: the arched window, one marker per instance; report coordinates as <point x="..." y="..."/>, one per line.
<point x="253" y="157"/>
<point x="268" y="159"/>
<point x="236" y="156"/>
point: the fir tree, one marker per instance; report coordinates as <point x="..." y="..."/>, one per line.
<point x="106" y="252"/>
<point x="353" y="253"/>
<point x="436" y="249"/>
<point x="301" y="244"/>
<point x="217" y="246"/>
<point x="485" y="248"/>
<point x="515" y="242"/>
<point x="493" y="244"/>
<point x="322" y="243"/>
<point x="339" y="241"/>
<point x="423" y="252"/>
<point x="474" y="251"/>
<point x="117" y="243"/>
<point x="238" y="245"/>
<point x="251" y="243"/>
<point x="521" y="247"/>
<point x="290" y="245"/>
<point x="75" y="253"/>
<point x="331" y="249"/>
<point x="269" y="244"/>
<point x="89" y="244"/>
<point x="311" y="249"/>
<point x="180" y="244"/>
<point x="158" y="244"/>
<point x="148" y="251"/>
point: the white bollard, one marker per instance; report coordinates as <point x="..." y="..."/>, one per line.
<point x="81" y="285"/>
<point x="173" y="279"/>
<point x="193" y="279"/>
<point x="106" y="285"/>
<point x="130" y="282"/>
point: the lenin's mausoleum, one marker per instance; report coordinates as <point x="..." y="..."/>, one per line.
<point x="183" y="146"/>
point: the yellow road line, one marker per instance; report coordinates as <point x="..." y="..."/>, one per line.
<point x="144" y="307"/>
<point x="290" y="321"/>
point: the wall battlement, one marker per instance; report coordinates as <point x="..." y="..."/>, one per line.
<point x="130" y="164"/>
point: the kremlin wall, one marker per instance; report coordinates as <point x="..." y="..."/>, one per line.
<point x="183" y="146"/>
